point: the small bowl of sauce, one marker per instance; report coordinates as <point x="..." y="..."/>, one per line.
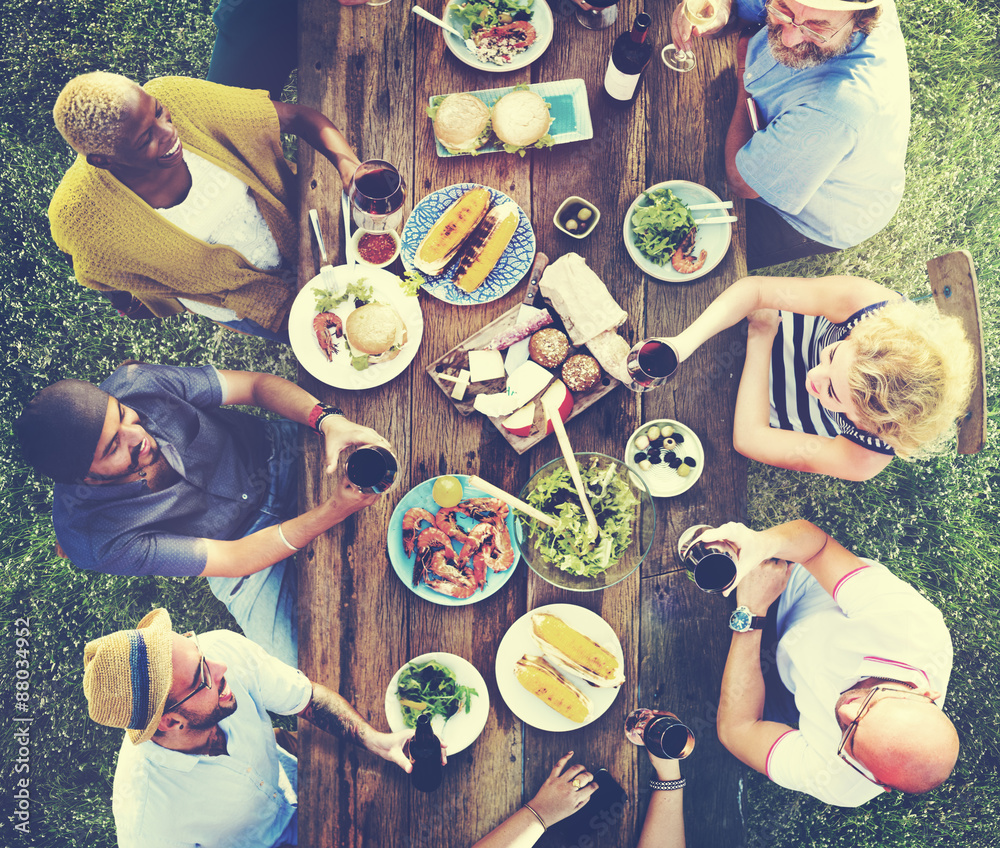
<point x="576" y="217"/>
<point x="376" y="249"/>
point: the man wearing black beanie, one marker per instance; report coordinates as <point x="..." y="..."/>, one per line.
<point x="153" y="477"/>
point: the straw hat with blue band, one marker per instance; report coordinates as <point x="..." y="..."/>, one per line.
<point x="127" y="676"/>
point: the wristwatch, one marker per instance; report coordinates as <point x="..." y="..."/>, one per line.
<point x="743" y="621"/>
<point x="321" y="411"/>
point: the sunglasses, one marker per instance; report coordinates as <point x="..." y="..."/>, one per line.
<point x="851" y="729"/>
<point x="821" y="36"/>
<point x="206" y="677"/>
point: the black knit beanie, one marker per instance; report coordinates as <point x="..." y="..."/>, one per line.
<point x="60" y="428"/>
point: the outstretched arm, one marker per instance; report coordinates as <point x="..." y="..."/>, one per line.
<point x="664" y="823"/>
<point x="320" y="133"/>
<point x="836" y="298"/>
<point x="330" y="712"/>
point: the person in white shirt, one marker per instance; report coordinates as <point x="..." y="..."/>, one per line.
<point x="865" y="656"/>
<point x="200" y="764"/>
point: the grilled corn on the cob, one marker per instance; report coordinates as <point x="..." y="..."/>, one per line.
<point x="445" y="238"/>
<point x="573" y="652"/>
<point x="486" y="245"/>
<point x="544" y="682"/>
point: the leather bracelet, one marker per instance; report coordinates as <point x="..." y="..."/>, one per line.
<point x="321" y="411"/>
<point x="668" y="784"/>
<point x="540" y="820"/>
<point x="289" y="545"/>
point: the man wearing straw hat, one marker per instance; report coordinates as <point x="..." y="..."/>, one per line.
<point x="153" y="477"/>
<point x="818" y="139"/>
<point x="862" y="665"/>
<point x="200" y="764"/>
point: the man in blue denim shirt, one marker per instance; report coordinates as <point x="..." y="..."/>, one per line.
<point x="828" y="86"/>
<point x="152" y="477"/>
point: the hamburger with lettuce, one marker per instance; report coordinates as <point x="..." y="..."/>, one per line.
<point x="376" y="333"/>
<point x="461" y="123"/>
<point x="521" y="120"/>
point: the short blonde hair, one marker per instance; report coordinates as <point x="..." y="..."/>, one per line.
<point x="90" y="108"/>
<point x="912" y="376"/>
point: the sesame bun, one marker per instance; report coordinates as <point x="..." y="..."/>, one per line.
<point x="375" y="329"/>
<point x="521" y="118"/>
<point x="462" y="123"/>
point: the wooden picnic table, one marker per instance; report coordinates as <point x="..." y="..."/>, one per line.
<point x="372" y="70"/>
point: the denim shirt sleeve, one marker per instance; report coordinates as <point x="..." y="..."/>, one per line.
<point x="788" y="160"/>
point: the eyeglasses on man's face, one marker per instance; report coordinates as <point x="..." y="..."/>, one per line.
<point x="892" y="693"/>
<point x="206" y="676"/>
<point x="819" y="34"/>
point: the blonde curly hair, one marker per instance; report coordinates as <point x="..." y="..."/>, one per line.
<point x="912" y="376"/>
<point x="89" y="111"/>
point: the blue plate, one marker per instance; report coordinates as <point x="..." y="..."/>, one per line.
<point x="420" y="496"/>
<point x="568" y="107"/>
<point x="509" y="271"/>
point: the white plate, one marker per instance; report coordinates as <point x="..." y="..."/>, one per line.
<point x="713" y="238"/>
<point x="463" y="728"/>
<point x="509" y="271"/>
<point x="421" y="496"/>
<point x="518" y="641"/>
<point x="340" y="373"/>
<point x="541" y="20"/>
<point x="662" y="480"/>
<point x="568" y="107"/>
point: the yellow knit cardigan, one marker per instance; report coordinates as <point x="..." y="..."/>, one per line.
<point x="118" y="242"/>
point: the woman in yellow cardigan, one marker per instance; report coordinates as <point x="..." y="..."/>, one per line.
<point x="181" y="195"/>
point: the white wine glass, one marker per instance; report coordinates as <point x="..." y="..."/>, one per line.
<point x="699" y="13"/>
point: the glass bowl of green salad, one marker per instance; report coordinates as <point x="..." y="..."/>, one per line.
<point x="563" y="555"/>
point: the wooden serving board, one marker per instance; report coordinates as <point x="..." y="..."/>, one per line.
<point x="458" y="358"/>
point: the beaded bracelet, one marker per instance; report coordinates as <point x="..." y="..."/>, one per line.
<point x="540" y="820"/>
<point x="668" y="784"/>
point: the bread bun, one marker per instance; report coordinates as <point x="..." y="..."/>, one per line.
<point x="377" y="330"/>
<point x="462" y="123"/>
<point x="548" y="347"/>
<point x="521" y="118"/>
<point x="581" y="373"/>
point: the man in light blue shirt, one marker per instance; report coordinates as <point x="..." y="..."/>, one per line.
<point x="828" y="87"/>
<point x="199" y="764"/>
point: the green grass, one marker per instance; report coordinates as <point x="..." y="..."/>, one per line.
<point x="936" y="523"/>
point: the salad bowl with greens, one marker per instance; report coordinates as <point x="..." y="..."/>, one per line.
<point x="658" y="221"/>
<point x="563" y="555"/>
<point x="447" y="688"/>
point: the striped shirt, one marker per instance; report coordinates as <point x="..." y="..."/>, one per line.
<point x="797" y="347"/>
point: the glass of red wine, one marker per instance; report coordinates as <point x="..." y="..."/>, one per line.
<point x="377" y="194"/>
<point x="665" y="735"/>
<point x="650" y="364"/>
<point x="602" y="16"/>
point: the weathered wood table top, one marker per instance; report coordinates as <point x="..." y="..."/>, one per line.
<point x="371" y="70"/>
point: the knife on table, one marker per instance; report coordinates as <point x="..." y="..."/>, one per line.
<point x="517" y="353"/>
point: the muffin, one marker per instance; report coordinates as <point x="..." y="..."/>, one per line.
<point x="548" y="347"/>
<point x="581" y="373"/>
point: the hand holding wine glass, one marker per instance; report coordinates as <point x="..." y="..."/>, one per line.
<point x="692" y="17"/>
<point x="684" y="30"/>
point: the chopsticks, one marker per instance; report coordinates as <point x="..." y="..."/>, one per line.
<point x="723" y="219"/>
<point x="718" y="204"/>
<point x="511" y="500"/>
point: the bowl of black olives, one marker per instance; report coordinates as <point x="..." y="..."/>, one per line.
<point x="667" y="455"/>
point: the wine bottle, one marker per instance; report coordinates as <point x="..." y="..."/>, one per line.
<point x="629" y="57"/>
<point x="424" y="751"/>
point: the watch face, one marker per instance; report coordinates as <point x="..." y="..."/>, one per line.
<point x="740" y="620"/>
